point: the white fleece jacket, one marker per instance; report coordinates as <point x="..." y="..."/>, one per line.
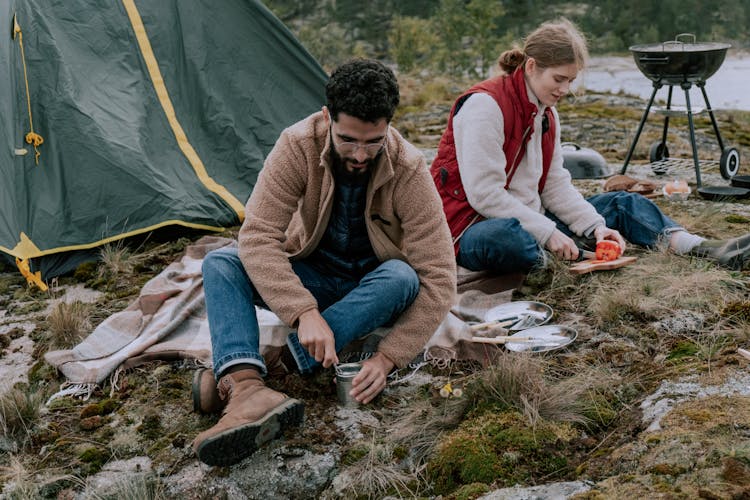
<point x="479" y="136"/>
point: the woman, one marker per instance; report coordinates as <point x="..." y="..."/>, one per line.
<point x="499" y="171"/>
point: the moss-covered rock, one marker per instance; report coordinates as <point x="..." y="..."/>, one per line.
<point x="469" y="492"/>
<point x="683" y="349"/>
<point x="93" y="459"/>
<point x="498" y="448"/>
<point x="150" y="428"/>
<point x="87" y="271"/>
<point x="103" y="407"/>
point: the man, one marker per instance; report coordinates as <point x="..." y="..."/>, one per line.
<point x="344" y="232"/>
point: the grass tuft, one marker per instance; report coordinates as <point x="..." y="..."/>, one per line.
<point x="116" y="260"/>
<point x="379" y="473"/>
<point x="19" y="411"/>
<point x="519" y="382"/>
<point x="68" y="324"/>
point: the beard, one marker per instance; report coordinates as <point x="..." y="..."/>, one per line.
<point x="341" y="163"/>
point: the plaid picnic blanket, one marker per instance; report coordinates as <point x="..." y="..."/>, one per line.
<point x="168" y="321"/>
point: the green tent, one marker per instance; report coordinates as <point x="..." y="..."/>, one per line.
<point x="152" y="113"/>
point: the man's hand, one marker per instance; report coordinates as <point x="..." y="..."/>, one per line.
<point x="316" y="336"/>
<point x="372" y="378"/>
<point x="605" y="233"/>
<point x="562" y="246"/>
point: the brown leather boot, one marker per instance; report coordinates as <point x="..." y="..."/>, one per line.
<point x="254" y="415"/>
<point x="279" y="363"/>
<point x="205" y="392"/>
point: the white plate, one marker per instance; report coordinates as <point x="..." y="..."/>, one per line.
<point x="545" y="338"/>
<point x="541" y="313"/>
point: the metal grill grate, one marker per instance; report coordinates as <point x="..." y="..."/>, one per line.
<point x="672" y="165"/>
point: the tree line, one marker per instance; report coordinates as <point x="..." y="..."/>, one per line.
<point x="465" y="37"/>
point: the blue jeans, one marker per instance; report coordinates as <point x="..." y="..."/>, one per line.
<point x="503" y="246"/>
<point x="351" y="308"/>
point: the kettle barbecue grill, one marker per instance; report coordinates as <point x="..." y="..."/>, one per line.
<point x="683" y="64"/>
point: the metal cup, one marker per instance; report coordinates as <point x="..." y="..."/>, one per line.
<point x="345" y="373"/>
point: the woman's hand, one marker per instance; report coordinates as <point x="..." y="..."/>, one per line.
<point x="605" y="233"/>
<point x="562" y="246"/>
<point x="316" y="336"/>
<point x="372" y="378"/>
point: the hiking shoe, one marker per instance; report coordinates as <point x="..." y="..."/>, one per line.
<point x="205" y="392"/>
<point x="254" y="415"/>
<point x="733" y="253"/>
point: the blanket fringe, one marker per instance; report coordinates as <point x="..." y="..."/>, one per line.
<point x="82" y="391"/>
<point x="114" y="380"/>
<point x="415" y="367"/>
<point x="441" y="363"/>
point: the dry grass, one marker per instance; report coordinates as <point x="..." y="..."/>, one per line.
<point x="378" y="475"/>
<point x="139" y="486"/>
<point x="22" y="484"/>
<point x="116" y="260"/>
<point x="19" y="410"/>
<point x="68" y="324"/>
<point x="659" y="284"/>
<point x="419" y="424"/>
<point x="521" y="382"/>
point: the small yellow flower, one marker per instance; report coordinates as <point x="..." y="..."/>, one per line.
<point x="446" y="390"/>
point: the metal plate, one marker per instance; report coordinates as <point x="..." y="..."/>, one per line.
<point x="545" y="338"/>
<point x="541" y="314"/>
<point x="722" y="193"/>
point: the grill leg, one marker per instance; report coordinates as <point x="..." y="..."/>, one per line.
<point x="686" y="87"/>
<point x="657" y="86"/>
<point x="702" y="86"/>
<point x="666" y="117"/>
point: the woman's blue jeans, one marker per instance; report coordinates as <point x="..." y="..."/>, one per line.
<point x="351" y="308"/>
<point x="503" y="246"/>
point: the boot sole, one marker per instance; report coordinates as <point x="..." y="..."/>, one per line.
<point x="236" y="444"/>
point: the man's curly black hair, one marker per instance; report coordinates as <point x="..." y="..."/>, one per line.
<point x="364" y="89"/>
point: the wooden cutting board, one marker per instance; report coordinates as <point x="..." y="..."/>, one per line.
<point x="590" y="265"/>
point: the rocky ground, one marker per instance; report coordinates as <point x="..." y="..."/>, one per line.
<point x="652" y="399"/>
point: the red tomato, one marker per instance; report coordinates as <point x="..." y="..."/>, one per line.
<point x="608" y="250"/>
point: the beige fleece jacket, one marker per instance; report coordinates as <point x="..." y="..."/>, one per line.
<point x="289" y="210"/>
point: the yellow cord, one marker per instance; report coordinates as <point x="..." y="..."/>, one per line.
<point x="32" y="137"/>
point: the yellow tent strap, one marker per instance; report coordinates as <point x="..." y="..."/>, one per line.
<point x="31" y="278"/>
<point x="32" y="137"/>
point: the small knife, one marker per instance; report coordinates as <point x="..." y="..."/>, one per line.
<point x="585" y="255"/>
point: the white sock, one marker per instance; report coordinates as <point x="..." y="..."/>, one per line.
<point x="681" y="242"/>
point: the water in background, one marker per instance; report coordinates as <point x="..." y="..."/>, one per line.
<point x="726" y="89"/>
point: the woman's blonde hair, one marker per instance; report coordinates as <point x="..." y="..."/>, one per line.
<point x="554" y="43"/>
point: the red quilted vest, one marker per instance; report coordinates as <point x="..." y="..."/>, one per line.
<point x="509" y="91"/>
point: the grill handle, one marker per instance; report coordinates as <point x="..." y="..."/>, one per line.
<point x="679" y="42"/>
<point x="677" y="38"/>
<point x="654" y="60"/>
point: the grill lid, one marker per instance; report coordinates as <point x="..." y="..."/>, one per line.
<point x="678" y="62"/>
<point x="670" y="47"/>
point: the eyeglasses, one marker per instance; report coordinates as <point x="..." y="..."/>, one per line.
<point x="349" y="148"/>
